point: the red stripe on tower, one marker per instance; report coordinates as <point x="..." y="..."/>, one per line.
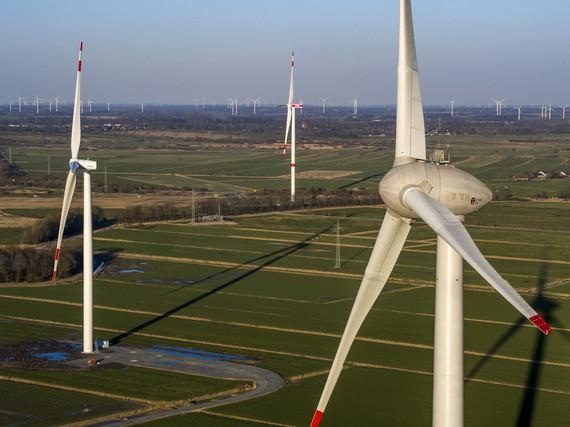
<point x="57" y="254"/>
<point x="292" y="165"/>
<point x="541" y="324"/>
<point x="317" y="418"/>
<point x="293" y="59"/>
<point x="79" y="65"/>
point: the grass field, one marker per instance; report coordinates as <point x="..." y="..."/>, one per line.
<point x="266" y="288"/>
<point x="236" y="168"/>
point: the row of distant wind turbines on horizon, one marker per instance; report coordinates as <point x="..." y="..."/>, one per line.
<point x="56" y="103"/>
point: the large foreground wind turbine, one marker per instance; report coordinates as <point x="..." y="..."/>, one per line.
<point x="291" y="107"/>
<point x="440" y="195"/>
<point x="87" y="166"/>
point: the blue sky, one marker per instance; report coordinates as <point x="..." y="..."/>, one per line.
<point x="174" y="51"/>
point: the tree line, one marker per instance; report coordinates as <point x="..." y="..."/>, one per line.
<point x="25" y="264"/>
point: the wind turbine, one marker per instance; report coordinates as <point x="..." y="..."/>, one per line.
<point x="519" y="108"/>
<point x="38" y="104"/>
<point x="87" y="166"/>
<point x="563" y="107"/>
<point x="354" y="107"/>
<point x="19" y="103"/>
<point x="291" y="107"/>
<point x="90" y="104"/>
<point x="549" y="111"/>
<point x="324" y="102"/>
<point x="254" y="102"/>
<point x="56" y="104"/>
<point x="417" y="189"/>
<point x="452" y="103"/>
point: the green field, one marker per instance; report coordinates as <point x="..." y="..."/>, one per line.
<point x="265" y="287"/>
<point x="236" y="168"/>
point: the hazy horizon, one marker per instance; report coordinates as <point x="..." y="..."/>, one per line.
<point x="178" y="51"/>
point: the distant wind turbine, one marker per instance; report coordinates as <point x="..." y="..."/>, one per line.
<point x="354" y="107"/>
<point x="324" y="102"/>
<point x="518" y="112"/>
<point x="563" y="107"/>
<point x="452" y="103"/>
<point x="290" y="124"/>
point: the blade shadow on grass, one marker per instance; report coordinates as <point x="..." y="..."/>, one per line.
<point x="273" y="257"/>
<point x="546" y="306"/>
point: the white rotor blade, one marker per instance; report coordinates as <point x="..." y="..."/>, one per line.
<point x="449" y="227"/>
<point x="287" y="127"/>
<point x="67" y="197"/>
<point x="387" y="248"/>
<point x="76" y="124"/>
<point x="410" y="129"/>
<point x="291" y="90"/>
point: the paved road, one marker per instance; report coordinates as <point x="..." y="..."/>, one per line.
<point x="181" y="361"/>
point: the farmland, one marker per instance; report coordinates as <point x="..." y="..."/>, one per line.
<point x="264" y="286"/>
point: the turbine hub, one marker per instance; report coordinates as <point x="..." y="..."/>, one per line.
<point x="457" y="190"/>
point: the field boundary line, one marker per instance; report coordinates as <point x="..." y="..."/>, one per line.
<point x="154" y="403"/>
<point x="371" y="340"/>
<point x="240" y="418"/>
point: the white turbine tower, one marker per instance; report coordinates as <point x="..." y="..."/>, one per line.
<point x="108" y="107"/>
<point x="563" y="107"/>
<point x="56" y="99"/>
<point x="452" y="104"/>
<point x="291" y="107"/>
<point x="354" y="107"/>
<point x="19" y="104"/>
<point x="324" y="102"/>
<point x="254" y="102"/>
<point x="90" y="104"/>
<point x="417" y="189"/>
<point x="519" y="108"/>
<point x="549" y="111"/>
<point x="38" y="99"/>
<point x="87" y="166"/>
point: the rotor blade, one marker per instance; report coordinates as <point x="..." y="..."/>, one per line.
<point x="387" y="248"/>
<point x="450" y="228"/>
<point x="76" y="124"/>
<point x="410" y="128"/>
<point x="287" y="127"/>
<point x="67" y="197"/>
<point x="291" y="90"/>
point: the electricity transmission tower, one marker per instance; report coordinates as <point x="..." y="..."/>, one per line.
<point x="337" y="263"/>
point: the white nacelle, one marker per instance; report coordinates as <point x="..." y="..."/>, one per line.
<point x="457" y="190"/>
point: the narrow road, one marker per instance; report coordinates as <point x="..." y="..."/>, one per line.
<point x="186" y="361"/>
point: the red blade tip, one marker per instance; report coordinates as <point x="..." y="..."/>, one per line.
<point x="81" y="46"/>
<point x="317" y="418"/>
<point x="541" y="324"/>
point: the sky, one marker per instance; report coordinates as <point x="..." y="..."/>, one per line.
<point x="176" y="51"/>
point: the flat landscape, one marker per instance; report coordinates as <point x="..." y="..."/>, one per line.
<point x="264" y="287"/>
<point x="259" y="289"/>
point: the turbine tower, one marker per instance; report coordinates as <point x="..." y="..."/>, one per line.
<point x="56" y="104"/>
<point x="87" y="166"/>
<point x="19" y="103"/>
<point x="417" y="189"/>
<point x="254" y="102"/>
<point x="563" y="107"/>
<point x="452" y="103"/>
<point x="354" y="107"/>
<point x="519" y="108"/>
<point x="324" y="102"/>
<point x="37" y="104"/>
<point x="291" y="107"/>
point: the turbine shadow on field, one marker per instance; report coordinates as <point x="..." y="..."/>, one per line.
<point x="273" y="257"/>
<point x="543" y="304"/>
